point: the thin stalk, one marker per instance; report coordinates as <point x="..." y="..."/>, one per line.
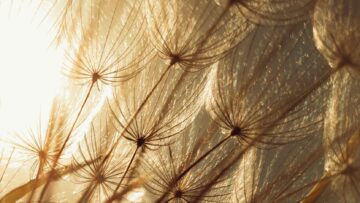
<point x="85" y="196"/>
<point x="202" y="157"/>
<point x="323" y="183"/>
<point x="40" y="169"/>
<point x="66" y="140"/>
<point x="19" y="192"/>
<point x="129" y="188"/>
<point x="226" y="168"/>
<point x="192" y="166"/>
<point x="127" y="169"/>
<point x="317" y="189"/>
<point x="7" y="165"/>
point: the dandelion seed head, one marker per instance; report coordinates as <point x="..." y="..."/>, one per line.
<point x="140" y="142"/>
<point x="95" y="77"/>
<point x="175" y="58"/>
<point x="236" y="131"/>
<point x="178" y="193"/>
<point x="43" y="155"/>
<point x="100" y="178"/>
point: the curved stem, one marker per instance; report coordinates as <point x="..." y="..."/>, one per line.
<point x="65" y="142"/>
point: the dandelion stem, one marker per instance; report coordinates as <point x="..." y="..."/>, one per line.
<point x="192" y="166"/>
<point x="129" y="188"/>
<point x="317" y="189"/>
<point x="322" y="184"/>
<point x="228" y="165"/>
<point x="202" y="157"/>
<point x="85" y="196"/>
<point x="40" y="169"/>
<point x="127" y="169"/>
<point x="19" y="192"/>
<point x="65" y="142"/>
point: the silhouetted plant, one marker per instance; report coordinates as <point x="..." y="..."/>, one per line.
<point x="205" y="101"/>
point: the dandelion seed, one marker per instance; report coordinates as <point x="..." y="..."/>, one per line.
<point x="165" y="115"/>
<point x="340" y="138"/>
<point x="252" y="92"/>
<point x="100" y="177"/>
<point x="166" y="167"/>
<point x="342" y="169"/>
<point x="224" y="107"/>
<point x="104" y="53"/>
<point x="262" y="178"/>
<point x="36" y="148"/>
<point x="342" y="162"/>
<point x="101" y="59"/>
<point x="41" y="146"/>
<point x="196" y="41"/>
<point x="337" y="33"/>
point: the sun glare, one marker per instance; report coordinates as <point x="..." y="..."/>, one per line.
<point x="30" y="69"/>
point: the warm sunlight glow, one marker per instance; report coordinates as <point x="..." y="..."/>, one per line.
<point x="30" y="69"/>
<point x="136" y="195"/>
<point x="176" y="101"/>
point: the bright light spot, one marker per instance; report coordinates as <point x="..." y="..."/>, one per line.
<point x="136" y="195"/>
<point x="29" y="69"/>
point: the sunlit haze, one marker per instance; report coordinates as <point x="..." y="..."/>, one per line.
<point x="29" y="67"/>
